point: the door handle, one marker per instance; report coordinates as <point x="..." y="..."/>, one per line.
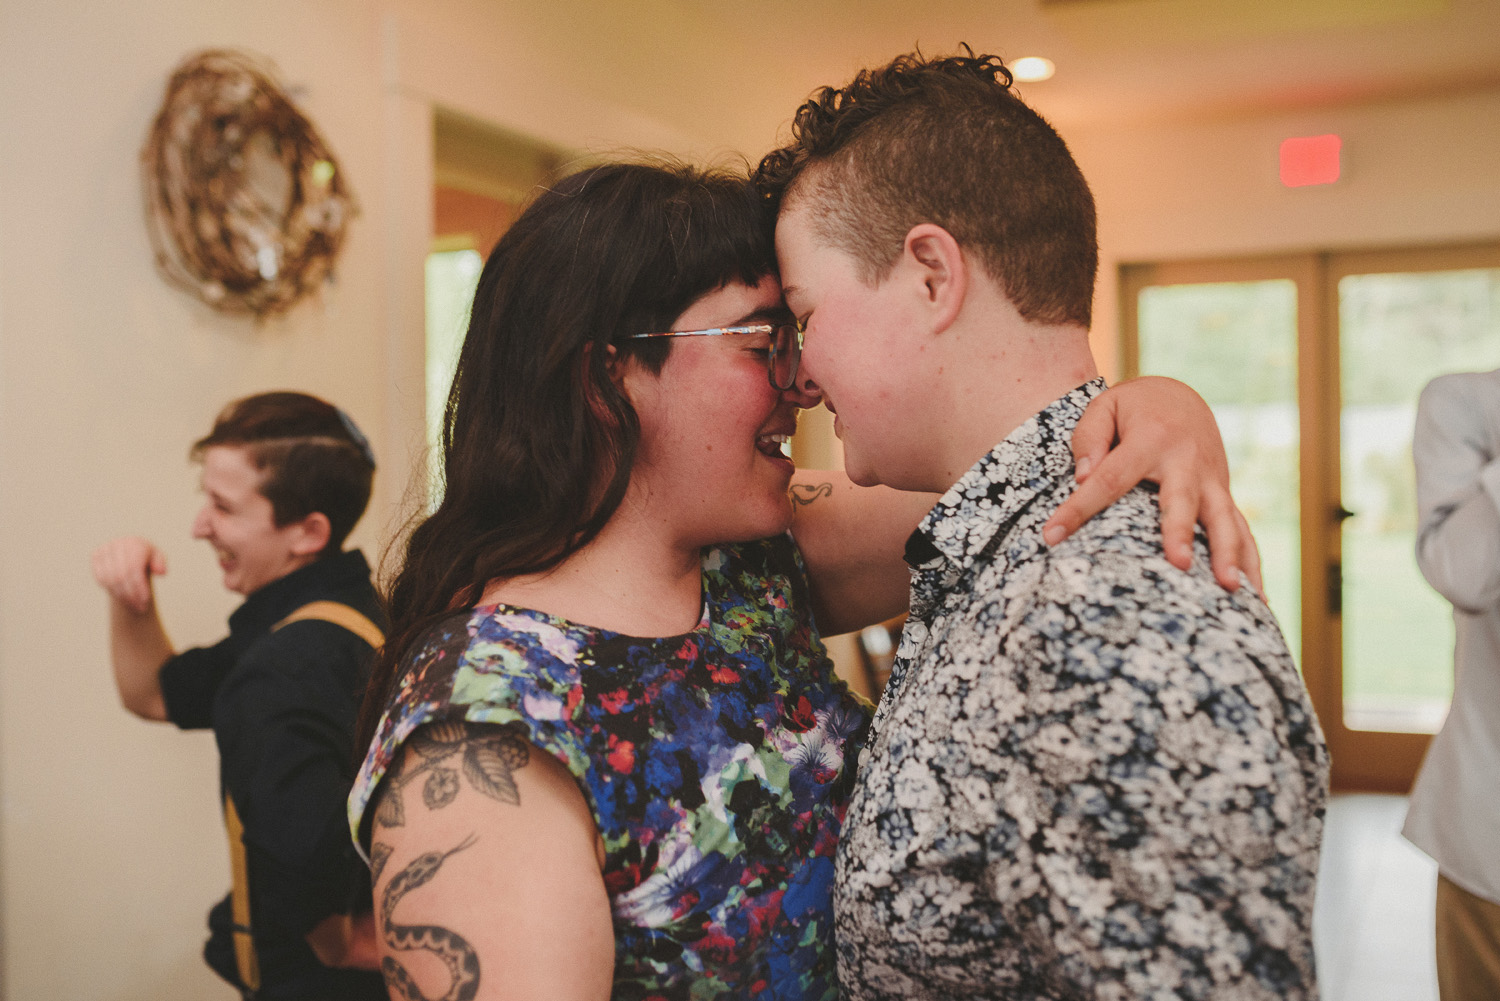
<point x="1341" y="514"/>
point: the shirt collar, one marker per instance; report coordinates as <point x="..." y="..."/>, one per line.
<point x="284" y="595"/>
<point x="1000" y="486"/>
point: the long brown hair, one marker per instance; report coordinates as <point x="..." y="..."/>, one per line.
<point x="537" y="442"/>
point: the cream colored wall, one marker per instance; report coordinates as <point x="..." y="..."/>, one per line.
<point x="110" y="846"/>
<point x="1414" y="172"/>
<point x="110" y="842"/>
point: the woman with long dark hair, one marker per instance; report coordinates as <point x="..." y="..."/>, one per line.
<point x="607" y="753"/>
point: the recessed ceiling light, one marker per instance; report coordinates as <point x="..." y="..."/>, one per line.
<point x="1030" y="69"/>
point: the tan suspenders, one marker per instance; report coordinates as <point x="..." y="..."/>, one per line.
<point x="244" y="942"/>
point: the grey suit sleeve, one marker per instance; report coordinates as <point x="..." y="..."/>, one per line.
<point x="1458" y="490"/>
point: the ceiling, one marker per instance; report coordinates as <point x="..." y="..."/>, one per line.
<point x="737" y="70"/>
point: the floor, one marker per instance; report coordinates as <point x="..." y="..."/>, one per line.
<point x="1372" y="925"/>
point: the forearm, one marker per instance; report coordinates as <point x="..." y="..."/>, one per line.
<point x="853" y="540"/>
<point x="138" y="646"/>
<point x="1458" y="551"/>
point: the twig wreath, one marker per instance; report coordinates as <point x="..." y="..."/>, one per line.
<point x="245" y="203"/>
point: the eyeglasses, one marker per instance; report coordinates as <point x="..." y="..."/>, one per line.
<point x="785" y="349"/>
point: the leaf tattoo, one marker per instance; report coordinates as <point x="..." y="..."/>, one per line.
<point x="391" y="813"/>
<point x="489" y="765"/>
<point x="438" y="740"/>
<point x="380" y="854"/>
<point x="441" y="787"/>
<point x="490" y="756"/>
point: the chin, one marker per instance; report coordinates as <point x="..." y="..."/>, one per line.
<point x="860" y="475"/>
<point x="771" y="522"/>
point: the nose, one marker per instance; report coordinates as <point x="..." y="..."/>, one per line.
<point x="200" y="523"/>
<point x="804" y="393"/>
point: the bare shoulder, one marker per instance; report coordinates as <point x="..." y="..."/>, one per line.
<point x="484" y="856"/>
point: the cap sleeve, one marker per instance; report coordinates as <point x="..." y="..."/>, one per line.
<point x="489" y="667"/>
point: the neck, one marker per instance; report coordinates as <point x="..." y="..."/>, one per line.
<point x="632" y="578"/>
<point x="997" y="375"/>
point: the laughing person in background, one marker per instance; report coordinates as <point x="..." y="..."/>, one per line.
<point x="285" y="478"/>
<point x="1092" y="774"/>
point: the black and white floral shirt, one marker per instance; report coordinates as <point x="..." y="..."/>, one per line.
<point x="1092" y="775"/>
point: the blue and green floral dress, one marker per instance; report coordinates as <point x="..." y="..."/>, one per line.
<point x="718" y="765"/>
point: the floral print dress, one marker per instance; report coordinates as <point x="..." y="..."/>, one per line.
<point x="717" y="764"/>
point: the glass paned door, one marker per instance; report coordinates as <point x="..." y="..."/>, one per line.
<point x="1236" y="344"/>
<point x="1396" y="332"/>
<point x="1358" y="334"/>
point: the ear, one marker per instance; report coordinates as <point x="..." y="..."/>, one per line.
<point x="311" y="534"/>
<point x="940" y="266"/>
<point x="617" y="367"/>
<point x="614" y="363"/>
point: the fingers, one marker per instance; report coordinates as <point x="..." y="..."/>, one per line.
<point x="1250" y="555"/>
<point x="123" y="567"/>
<point x="1095" y="434"/>
<point x="1119" y="470"/>
<point x="1180" y="499"/>
<point x="1227" y="532"/>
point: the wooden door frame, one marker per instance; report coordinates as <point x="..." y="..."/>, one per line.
<point x="1362" y="760"/>
<point x="1371" y="760"/>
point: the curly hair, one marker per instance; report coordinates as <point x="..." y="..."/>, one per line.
<point x="944" y="141"/>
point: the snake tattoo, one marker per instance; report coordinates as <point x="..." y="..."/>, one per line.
<point x="453" y="949"/>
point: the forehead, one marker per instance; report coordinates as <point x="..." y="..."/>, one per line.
<point x="732" y="304"/>
<point x="806" y="257"/>
<point x="229" y="469"/>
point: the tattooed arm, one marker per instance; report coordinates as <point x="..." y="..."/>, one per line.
<point x="853" y="540"/>
<point x="487" y="870"/>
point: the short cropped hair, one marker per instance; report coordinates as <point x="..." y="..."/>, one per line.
<point x="944" y="141"/>
<point x="311" y="456"/>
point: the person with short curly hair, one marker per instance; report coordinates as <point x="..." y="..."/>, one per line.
<point x="1093" y="773"/>
<point x="607" y="754"/>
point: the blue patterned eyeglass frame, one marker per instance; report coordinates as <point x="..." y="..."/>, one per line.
<point x="785" y="351"/>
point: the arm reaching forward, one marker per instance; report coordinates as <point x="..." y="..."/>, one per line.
<point x="853" y="538"/>
<point x="138" y="643"/>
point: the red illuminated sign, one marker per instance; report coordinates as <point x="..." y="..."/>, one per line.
<point x="1310" y="160"/>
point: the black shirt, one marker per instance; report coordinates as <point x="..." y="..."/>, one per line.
<point x="282" y="707"/>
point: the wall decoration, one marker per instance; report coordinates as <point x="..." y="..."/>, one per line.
<point x="246" y="205"/>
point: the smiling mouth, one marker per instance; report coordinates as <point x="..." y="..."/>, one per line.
<point x="775" y="445"/>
